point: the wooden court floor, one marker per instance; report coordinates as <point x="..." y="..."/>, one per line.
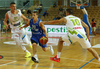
<point x="72" y="57"/>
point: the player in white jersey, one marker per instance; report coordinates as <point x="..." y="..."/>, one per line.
<point x="16" y="19"/>
<point x="75" y="33"/>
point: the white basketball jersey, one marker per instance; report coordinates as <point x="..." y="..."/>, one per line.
<point x="15" y="18"/>
<point x="74" y="23"/>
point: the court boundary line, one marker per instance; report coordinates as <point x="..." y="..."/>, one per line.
<point x="86" y="63"/>
<point x="7" y="63"/>
<point x="61" y="57"/>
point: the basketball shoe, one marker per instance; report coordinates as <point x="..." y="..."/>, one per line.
<point x="51" y="49"/>
<point x="34" y="59"/>
<point x="28" y="54"/>
<point x="55" y="59"/>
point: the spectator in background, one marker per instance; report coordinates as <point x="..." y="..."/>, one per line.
<point x="29" y="13"/>
<point x="38" y="7"/>
<point x="60" y="9"/>
<point x="64" y="8"/>
<point x="64" y="13"/>
<point x="41" y="4"/>
<point x="45" y="13"/>
<point x="61" y="14"/>
<point x="55" y="18"/>
<point x="54" y="5"/>
<point x="58" y="17"/>
<point x="93" y="26"/>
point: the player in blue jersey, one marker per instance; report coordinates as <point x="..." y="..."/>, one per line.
<point x="38" y="30"/>
<point x="85" y="18"/>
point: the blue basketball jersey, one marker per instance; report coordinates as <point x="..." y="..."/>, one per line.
<point x="35" y="27"/>
<point x="37" y="32"/>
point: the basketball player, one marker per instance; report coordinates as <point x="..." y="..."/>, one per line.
<point x="38" y="30"/>
<point x="85" y="18"/>
<point x="16" y="19"/>
<point x="75" y="33"/>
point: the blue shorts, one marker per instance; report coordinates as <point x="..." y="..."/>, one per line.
<point x="85" y="19"/>
<point x="36" y="38"/>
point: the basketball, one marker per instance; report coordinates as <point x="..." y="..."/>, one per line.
<point x="43" y="40"/>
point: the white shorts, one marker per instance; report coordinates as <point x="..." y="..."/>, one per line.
<point x="94" y="29"/>
<point x="21" y="34"/>
<point x="69" y="39"/>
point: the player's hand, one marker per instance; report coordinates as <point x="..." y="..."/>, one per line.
<point x="47" y="38"/>
<point x="21" y="28"/>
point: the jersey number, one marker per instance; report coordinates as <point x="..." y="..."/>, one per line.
<point x="34" y="28"/>
<point x="75" y="22"/>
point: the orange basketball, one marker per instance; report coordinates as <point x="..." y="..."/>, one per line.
<point x="43" y="40"/>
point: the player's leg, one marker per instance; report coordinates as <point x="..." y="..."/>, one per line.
<point x="83" y="10"/>
<point x="25" y="38"/>
<point x="16" y="38"/>
<point x="45" y="48"/>
<point x="34" y="45"/>
<point x="85" y="19"/>
<point x="86" y="44"/>
<point x="59" y="47"/>
<point x="94" y="53"/>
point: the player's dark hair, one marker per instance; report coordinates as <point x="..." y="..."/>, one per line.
<point x="70" y="11"/>
<point x="35" y="12"/>
<point x="12" y="3"/>
<point x="93" y="19"/>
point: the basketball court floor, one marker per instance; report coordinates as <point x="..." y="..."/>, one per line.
<point x="72" y="57"/>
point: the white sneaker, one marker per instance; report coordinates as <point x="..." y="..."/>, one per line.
<point x="51" y="49"/>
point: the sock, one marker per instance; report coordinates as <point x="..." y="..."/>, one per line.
<point x="35" y="56"/>
<point x="99" y="59"/>
<point x="58" y="54"/>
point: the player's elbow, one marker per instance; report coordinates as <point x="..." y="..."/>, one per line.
<point x="87" y="27"/>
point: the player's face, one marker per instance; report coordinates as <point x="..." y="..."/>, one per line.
<point x="34" y="15"/>
<point x="13" y="7"/>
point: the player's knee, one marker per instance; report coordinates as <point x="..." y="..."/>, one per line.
<point x="89" y="49"/>
<point x="60" y="39"/>
<point x="44" y="49"/>
<point x="34" y="45"/>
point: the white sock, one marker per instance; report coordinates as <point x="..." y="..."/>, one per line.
<point x="35" y="56"/>
<point x="58" y="54"/>
<point x="99" y="59"/>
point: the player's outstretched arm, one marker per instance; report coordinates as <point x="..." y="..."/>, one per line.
<point x="26" y="25"/>
<point x="55" y="21"/>
<point x="87" y="29"/>
<point x="26" y="19"/>
<point x="5" y="20"/>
